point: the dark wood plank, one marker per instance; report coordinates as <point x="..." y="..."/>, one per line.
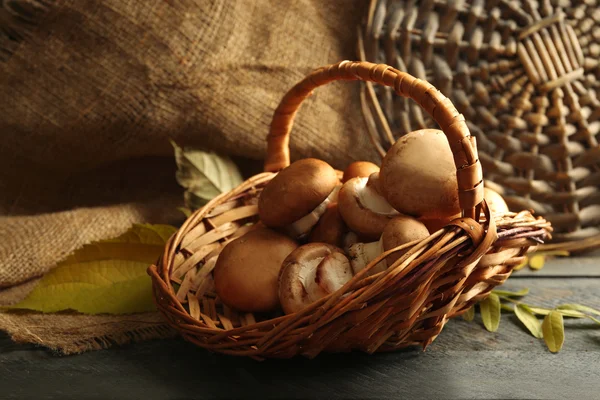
<point x="464" y="362"/>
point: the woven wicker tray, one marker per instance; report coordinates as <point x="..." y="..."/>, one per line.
<point x="526" y="76"/>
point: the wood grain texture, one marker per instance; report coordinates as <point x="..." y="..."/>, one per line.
<point x="464" y="362"/>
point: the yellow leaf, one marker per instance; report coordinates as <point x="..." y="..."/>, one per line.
<point x="508" y="293"/>
<point x="528" y="318"/>
<point x="147" y="234"/>
<point x="469" y="314"/>
<point x="537" y="261"/>
<point x="554" y="331"/>
<point x="103" y="277"/>
<point x="185" y="211"/>
<point x="109" y="286"/>
<point x="490" y="312"/>
<point x="579" y="307"/>
<point x="522" y="265"/>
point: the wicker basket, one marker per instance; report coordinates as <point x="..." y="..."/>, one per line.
<point x="408" y="304"/>
<point x="526" y="76"/>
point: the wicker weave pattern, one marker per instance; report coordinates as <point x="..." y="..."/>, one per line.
<point x="425" y="95"/>
<point x="408" y="304"/>
<point x="524" y="73"/>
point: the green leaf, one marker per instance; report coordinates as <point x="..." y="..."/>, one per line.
<point x="579" y="307"/>
<point x="507" y="293"/>
<point x="506" y="307"/>
<point x="566" y="313"/>
<point x="539" y="310"/>
<point x="204" y="175"/>
<point x="572" y="313"/>
<point x="469" y="314"/>
<point x="554" y="331"/>
<point x="185" y="211"/>
<point x="103" y="277"/>
<point x="490" y="312"/>
<point x="529" y="319"/>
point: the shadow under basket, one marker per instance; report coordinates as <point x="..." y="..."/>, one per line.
<point x="408" y="304"/>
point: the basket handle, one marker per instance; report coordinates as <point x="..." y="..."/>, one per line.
<point x="439" y="107"/>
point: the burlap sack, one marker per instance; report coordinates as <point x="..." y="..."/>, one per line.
<point x="93" y="90"/>
<point x="72" y="334"/>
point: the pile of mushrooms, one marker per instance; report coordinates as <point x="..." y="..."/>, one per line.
<point x="318" y="232"/>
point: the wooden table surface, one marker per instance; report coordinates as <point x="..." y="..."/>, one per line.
<point x="464" y="362"/>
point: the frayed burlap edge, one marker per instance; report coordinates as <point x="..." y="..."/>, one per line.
<point x="72" y="333"/>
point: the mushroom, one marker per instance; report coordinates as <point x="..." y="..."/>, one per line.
<point x="311" y="272"/>
<point x="247" y="270"/>
<point x="363" y="208"/>
<point x="331" y="228"/>
<point x="418" y="175"/>
<point x="400" y="230"/>
<point x="350" y="238"/>
<point x="360" y="169"/>
<point x="435" y="224"/>
<point x="495" y="201"/>
<point x="297" y="197"/>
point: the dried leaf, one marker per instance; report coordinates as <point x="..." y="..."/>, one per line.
<point x="469" y="314"/>
<point x="103" y="277"/>
<point x="529" y="319"/>
<point x="507" y="293"/>
<point x="554" y="331"/>
<point x="204" y="175"/>
<point x="490" y="312"/>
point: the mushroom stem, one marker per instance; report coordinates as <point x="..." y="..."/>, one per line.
<point x="369" y="197"/>
<point x="350" y="239"/>
<point x="361" y="254"/>
<point x="308" y="279"/>
<point x="300" y="228"/>
<point x="310" y="273"/>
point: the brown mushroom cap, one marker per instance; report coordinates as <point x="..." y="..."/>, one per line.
<point x="495" y="201"/>
<point x="310" y="272"/>
<point x="367" y="223"/>
<point x="401" y="230"/>
<point x="330" y="229"/>
<point x="418" y="175"/>
<point x="398" y="231"/>
<point x="359" y="169"/>
<point x="296" y="191"/>
<point x="247" y="270"/>
<point x="435" y="224"/>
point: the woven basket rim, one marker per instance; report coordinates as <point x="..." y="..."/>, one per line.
<point x="449" y="260"/>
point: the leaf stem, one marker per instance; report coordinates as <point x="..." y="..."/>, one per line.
<point x="546" y="311"/>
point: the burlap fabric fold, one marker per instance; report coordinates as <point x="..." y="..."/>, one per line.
<point x="91" y="93"/>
